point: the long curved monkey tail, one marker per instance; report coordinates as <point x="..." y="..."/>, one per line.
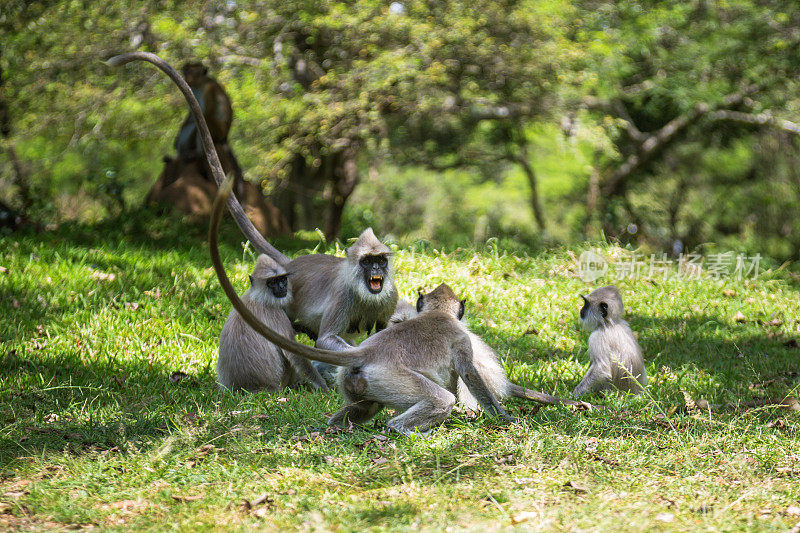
<point x="244" y="223"/>
<point x="546" y="399"/>
<point x="343" y="358"/>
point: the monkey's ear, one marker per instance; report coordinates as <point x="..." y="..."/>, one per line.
<point x="604" y="309"/>
<point x="584" y="299"/>
<point x="251" y="279"/>
<point x="419" y="302"/>
<point x="461" y="308"/>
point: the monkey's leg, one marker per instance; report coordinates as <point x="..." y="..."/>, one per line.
<point x="329" y="342"/>
<point x="475" y="383"/>
<point x="306" y="371"/>
<point x="429" y="403"/>
<point x="357" y="413"/>
<point x="596" y="379"/>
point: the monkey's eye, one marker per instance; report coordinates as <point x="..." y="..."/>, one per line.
<point x="365" y="262"/>
<point x="382" y="262"/>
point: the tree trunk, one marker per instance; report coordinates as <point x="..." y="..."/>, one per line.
<point x="20" y="179"/>
<point x="592" y="202"/>
<point x="536" y="207"/>
<point x="345" y="178"/>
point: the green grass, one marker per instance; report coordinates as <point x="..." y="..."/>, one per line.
<point x="95" y="433"/>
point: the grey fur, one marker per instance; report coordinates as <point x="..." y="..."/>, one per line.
<point x="489" y="368"/>
<point x="615" y="358"/>
<point x="331" y="299"/>
<point x="249" y="361"/>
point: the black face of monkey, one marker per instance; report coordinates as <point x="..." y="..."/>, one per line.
<point x="585" y="308"/>
<point x="278" y="285"/>
<point x="194" y="73"/>
<point x="374" y="269"/>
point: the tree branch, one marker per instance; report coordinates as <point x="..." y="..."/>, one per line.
<point x="760" y="119"/>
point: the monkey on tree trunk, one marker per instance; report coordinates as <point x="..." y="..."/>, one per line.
<point x="217" y="112"/>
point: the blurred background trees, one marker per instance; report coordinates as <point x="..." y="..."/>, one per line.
<point x="664" y="124"/>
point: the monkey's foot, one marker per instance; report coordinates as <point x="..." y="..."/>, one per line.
<point x="409" y="431"/>
<point x="328" y="372"/>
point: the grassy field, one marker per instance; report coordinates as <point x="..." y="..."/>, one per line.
<point x="99" y="430"/>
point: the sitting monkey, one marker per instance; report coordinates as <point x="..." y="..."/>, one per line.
<point x="615" y="358"/>
<point x="249" y="361"/>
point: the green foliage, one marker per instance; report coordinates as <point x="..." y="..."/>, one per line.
<point x="445" y="98"/>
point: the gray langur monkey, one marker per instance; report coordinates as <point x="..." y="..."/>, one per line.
<point x="489" y="368"/>
<point x="333" y="296"/>
<point x="341" y="296"/>
<point x="412" y="367"/>
<point x="249" y="361"/>
<point x="615" y="358"/>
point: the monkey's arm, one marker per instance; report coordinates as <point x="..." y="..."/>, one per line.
<point x="306" y="370"/>
<point x="476" y="385"/>
<point x="244" y="223"/>
<point x="596" y="379"/>
<point x="333" y="322"/>
<point x="214" y="113"/>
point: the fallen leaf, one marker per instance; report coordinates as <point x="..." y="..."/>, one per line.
<point x="575" y="487"/>
<point x="793" y="510"/>
<point x="505" y="459"/>
<point x="665" y="517"/>
<point x="180" y="498"/>
<point x="175" y="377"/>
<point x="261" y="512"/>
<point x="282" y="400"/>
<point x="524" y="516"/>
<point x="739" y="317"/>
<point x="133" y="306"/>
<point x="791" y="404"/>
<point x="775" y="322"/>
<point x="14" y="303"/>
<point x="3" y="270"/>
<point x="606" y="460"/>
<point x="729" y="293"/>
<point x="379" y="461"/>
<point x="531" y="331"/>
<point x="264" y="498"/>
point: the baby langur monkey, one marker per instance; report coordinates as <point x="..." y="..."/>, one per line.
<point x="249" y="361"/>
<point x="615" y="358"/>
<point x="489" y="368"/>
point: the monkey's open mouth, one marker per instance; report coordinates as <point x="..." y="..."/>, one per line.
<point x="375" y="284"/>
